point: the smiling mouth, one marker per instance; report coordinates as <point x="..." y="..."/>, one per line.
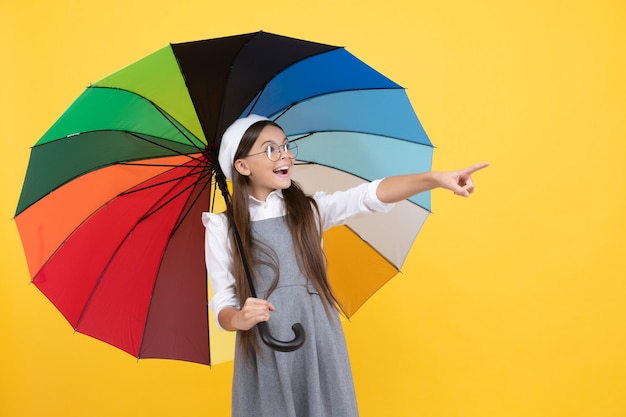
<point x="282" y="171"/>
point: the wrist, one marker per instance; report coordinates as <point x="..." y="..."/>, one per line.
<point x="228" y="318"/>
<point x="436" y="179"/>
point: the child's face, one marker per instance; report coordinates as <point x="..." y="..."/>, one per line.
<point x="266" y="175"/>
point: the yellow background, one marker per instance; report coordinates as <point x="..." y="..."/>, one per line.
<point x="511" y="302"/>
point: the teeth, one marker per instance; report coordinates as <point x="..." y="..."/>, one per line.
<point x="281" y="169"/>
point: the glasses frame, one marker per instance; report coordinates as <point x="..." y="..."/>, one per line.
<point x="289" y="149"/>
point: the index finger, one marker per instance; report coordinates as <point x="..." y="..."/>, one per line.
<point x="256" y="301"/>
<point x="475" y="168"/>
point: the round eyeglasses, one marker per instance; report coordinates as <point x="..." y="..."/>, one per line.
<point x="274" y="152"/>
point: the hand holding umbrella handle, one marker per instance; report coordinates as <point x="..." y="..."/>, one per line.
<point x="280" y="345"/>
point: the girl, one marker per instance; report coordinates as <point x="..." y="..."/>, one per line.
<point x="281" y="232"/>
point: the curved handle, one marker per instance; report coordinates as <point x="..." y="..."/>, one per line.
<point x="279" y="345"/>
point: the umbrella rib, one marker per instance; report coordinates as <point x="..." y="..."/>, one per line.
<point x="171" y="120"/>
<point x="220" y="125"/>
<point x="167" y="116"/>
<point x="373" y="248"/>
<point x="256" y="99"/>
<point x="159" y="207"/>
<point x="190" y="156"/>
<point x="195" y="200"/>
<point x="329" y="93"/>
<point x="136" y="164"/>
<point x="306" y="134"/>
<point x="189" y="174"/>
<point x="303" y="136"/>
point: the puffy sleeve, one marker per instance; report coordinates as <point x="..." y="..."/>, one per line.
<point x="218" y="258"/>
<point x="339" y="207"/>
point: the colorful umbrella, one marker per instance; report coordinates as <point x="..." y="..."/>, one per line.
<point x="110" y="210"/>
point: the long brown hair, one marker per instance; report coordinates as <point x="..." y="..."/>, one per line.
<point x="302" y="216"/>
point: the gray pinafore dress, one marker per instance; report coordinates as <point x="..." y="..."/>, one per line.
<point x="313" y="381"/>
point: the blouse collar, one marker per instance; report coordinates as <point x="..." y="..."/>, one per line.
<point x="275" y="195"/>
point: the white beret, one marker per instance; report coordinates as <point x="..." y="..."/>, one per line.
<point x="231" y="140"/>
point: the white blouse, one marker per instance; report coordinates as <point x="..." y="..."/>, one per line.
<point x="335" y="209"/>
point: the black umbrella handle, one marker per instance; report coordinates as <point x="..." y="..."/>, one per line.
<point x="280" y="345"/>
<point x="264" y="331"/>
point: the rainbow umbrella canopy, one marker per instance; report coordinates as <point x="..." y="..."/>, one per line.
<point x="110" y="210"/>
